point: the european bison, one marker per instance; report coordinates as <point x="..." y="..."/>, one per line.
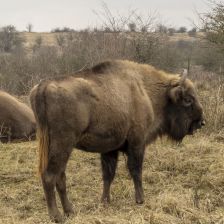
<point x="17" y="121"/>
<point x="114" y="106"/>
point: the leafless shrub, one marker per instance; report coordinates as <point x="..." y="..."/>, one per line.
<point x="211" y="88"/>
<point x="112" y="22"/>
<point x="60" y="39"/>
<point x="9" y="39"/>
<point x="38" y="43"/>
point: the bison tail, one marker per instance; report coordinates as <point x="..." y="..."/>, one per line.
<point x="43" y="149"/>
<point x="38" y="103"/>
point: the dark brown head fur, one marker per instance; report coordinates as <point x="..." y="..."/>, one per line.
<point x="183" y="111"/>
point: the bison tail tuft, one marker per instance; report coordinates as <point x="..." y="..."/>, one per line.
<point x="43" y="149"/>
<point x="38" y="103"/>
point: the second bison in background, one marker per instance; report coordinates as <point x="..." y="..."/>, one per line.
<point x="114" y="106"/>
<point x="17" y="121"/>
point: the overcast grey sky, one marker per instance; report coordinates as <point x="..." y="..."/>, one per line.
<point x="78" y="14"/>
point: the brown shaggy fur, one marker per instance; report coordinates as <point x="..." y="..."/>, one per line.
<point x="17" y="120"/>
<point x="115" y="106"/>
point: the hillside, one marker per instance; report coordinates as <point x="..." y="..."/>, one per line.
<point x="50" y="38"/>
<point x="47" y="38"/>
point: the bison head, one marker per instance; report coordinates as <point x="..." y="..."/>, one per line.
<point x="183" y="111"/>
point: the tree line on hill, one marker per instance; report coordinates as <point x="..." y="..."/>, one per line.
<point x="134" y="38"/>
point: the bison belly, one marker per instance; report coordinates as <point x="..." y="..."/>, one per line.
<point x="101" y="142"/>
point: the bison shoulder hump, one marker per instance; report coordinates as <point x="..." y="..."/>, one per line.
<point x="102" y="67"/>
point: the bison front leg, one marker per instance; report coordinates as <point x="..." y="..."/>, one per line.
<point x="135" y="161"/>
<point x="109" y="164"/>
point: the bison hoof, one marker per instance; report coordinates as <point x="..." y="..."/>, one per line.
<point x="139" y="201"/>
<point x="57" y="218"/>
<point x="105" y="201"/>
<point x="69" y="212"/>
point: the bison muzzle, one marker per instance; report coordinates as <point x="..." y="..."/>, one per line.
<point x="114" y="106"/>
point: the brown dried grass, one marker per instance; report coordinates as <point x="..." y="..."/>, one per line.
<point x="182" y="183"/>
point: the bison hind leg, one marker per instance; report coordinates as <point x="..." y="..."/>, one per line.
<point x="54" y="176"/>
<point x="63" y="152"/>
<point x="61" y="189"/>
<point x="49" y="181"/>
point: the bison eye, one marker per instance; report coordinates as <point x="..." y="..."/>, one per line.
<point x="188" y="101"/>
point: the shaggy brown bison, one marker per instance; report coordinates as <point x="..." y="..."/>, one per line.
<point x="114" y="106"/>
<point x="17" y="121"/>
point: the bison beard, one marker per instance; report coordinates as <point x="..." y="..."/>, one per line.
<point x="115" y="106"/>
<point x="177" y="126"/>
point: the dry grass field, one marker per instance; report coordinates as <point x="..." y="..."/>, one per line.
<point x="183" y="184"/>
<point x="30" y="38"/>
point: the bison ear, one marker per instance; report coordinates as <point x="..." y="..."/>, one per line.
<point x="176" y="94"/>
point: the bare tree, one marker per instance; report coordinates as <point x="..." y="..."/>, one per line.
<point x="9" y="38"/>
<point x="171" y="31"/>
<point x="145" y="23"/>
<point x="192" y="32"/>
<point x="118" y="23"/>
<point x="29" y="27"/>
<point x="132" y="27"/>
<point x="182" y="29"/>
<point x="162" y="28"/>
<point x="213" y="22"/>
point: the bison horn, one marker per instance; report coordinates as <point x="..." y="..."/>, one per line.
<point x="184" y="76"/>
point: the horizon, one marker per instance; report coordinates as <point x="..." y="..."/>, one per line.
<point x="48" y="15"/>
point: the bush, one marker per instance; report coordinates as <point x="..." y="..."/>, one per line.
<point x="9" y="39"/>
